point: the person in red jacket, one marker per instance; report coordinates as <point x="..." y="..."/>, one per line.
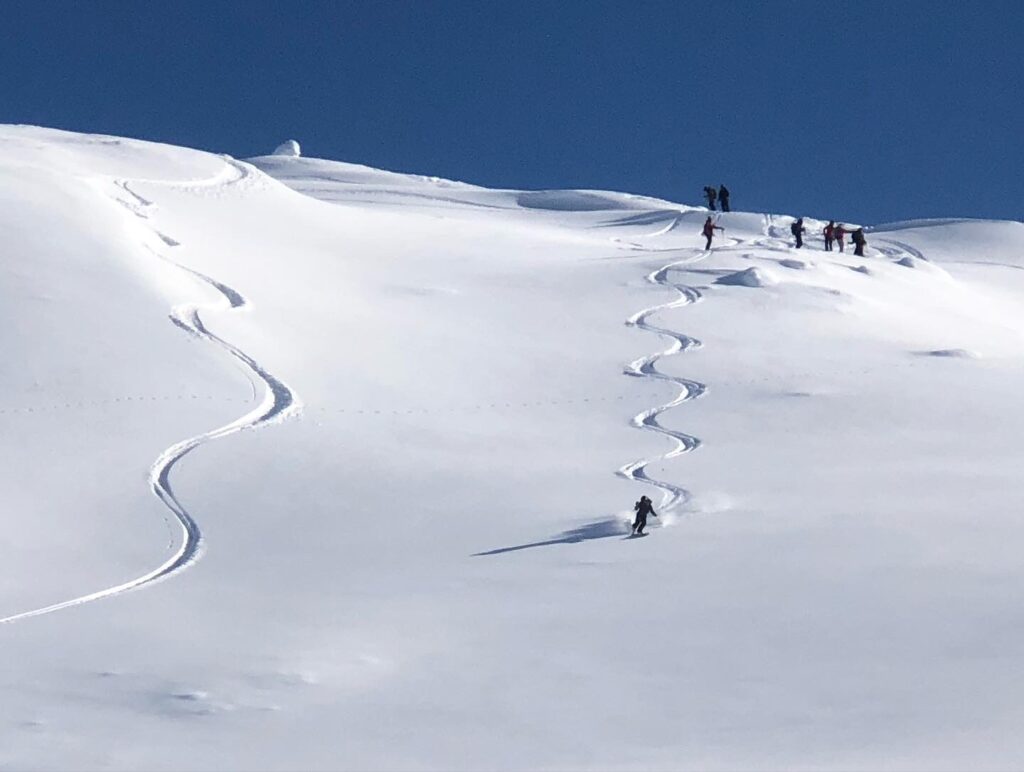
<point x="709" y="231"/>
<point x="838" y="232"/>
<point x="829" y="233"/>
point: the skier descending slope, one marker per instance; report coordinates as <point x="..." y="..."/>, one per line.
<point x="709" y="231"/>
<point x="643" y="508"/>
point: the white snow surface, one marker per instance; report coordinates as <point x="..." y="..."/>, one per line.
<point x="314" y="466"/>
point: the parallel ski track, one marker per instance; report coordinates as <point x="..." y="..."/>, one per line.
<point x="278" y="402"/>
<point x="645" y="367"/>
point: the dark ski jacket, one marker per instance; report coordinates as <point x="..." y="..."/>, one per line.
<point x="797" y="228"/>
<point x="644" y="507"/>
<point x="857" y="237"/>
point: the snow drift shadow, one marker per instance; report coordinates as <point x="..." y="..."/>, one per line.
<point x="571" y="201"/>
<point x="601" y="529"/>
<point x="656" y="217"/>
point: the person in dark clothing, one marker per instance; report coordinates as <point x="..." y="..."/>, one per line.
<point x="829" y="231"/>
<point x="643" y="509"/>
<point x="798" y="230"/>
<point x="709" y="194"/>
<point x="859" y="242"/>
<point x="838" y="232"/>
<point x="709" y="231"/>
<point x="723" y="196"/>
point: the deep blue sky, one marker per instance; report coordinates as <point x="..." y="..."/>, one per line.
<point x="862" y="111"/>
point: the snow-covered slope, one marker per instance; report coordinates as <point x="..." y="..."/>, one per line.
<point x="314" y="466"/>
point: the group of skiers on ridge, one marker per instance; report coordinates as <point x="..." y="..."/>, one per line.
<point x="722" y="195"/>
<point x="834" y="232"/>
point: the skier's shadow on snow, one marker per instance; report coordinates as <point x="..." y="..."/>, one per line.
<point x="602" y="529"/>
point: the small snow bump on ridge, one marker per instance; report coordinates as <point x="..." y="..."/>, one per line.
<point x="289" y="148"/>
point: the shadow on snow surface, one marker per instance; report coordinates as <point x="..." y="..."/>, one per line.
<point x="602" y="529"/>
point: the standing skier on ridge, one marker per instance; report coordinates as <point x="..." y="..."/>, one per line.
<point x="723" y="196"/>
<point x="709" y="231"/>
<point x="839" y="232"/>
<point x="709" y="194"/>
<point x="643" y="509"/>
<point x="798" y="230"/>
<point x="829" y="231"/>
<point x="859" y="242"/>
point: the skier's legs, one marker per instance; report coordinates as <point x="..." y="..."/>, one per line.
<point x="708" y="246"/>
<point x="799" y="241"/>
<point x="641" y="523"/>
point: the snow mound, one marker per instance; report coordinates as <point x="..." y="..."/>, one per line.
<point x="751" y="277"/>
<point x="798" y="265"/>
<point x="289" y="148"/>
<point x="923" y="265"/>
<point x="863" y="269"/>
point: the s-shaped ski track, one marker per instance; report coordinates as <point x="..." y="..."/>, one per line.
<point x="278" y="402"/>
<point x="645" y="367"/>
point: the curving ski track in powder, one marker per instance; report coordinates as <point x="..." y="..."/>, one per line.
<point x="278" y="402"/>
<point x="645" y="367"/>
